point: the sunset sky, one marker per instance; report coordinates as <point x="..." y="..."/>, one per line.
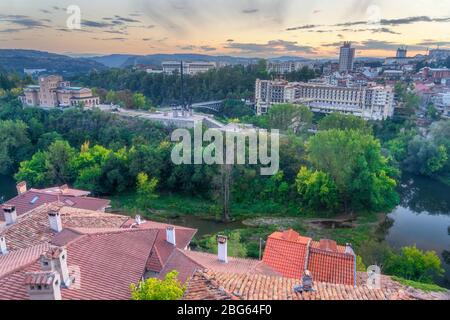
<point x="252" y="28"/>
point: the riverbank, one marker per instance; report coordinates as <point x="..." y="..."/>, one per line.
<point x="252" y="220"/>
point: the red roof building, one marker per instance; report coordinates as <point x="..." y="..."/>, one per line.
<point x="291" y="254"/>
<point x="27" y="200"/>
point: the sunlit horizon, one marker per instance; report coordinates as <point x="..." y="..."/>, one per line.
<point x="251" y="28"/>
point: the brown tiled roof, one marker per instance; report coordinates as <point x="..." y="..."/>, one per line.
<point x="18" y="259"/>
<point x="108" y="263"/>
<point x="186" y="262"/>
<point x="290" y="254"/>
<point x="180" y="262"/>
<point x="163" y="249"/>
<point x="211" y="285"/>
<point x="33" y="227"/>
<point x="34" y="198"/>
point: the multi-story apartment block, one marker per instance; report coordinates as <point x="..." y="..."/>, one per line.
<point x="189" y="68"/>
<point x="346" y="57"/>
<point x="52" y="91"/>
<point x="371" y="102"/>
<point x="283" y="67"/>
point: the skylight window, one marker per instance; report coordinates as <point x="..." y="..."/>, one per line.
<point x="33" y="201"/>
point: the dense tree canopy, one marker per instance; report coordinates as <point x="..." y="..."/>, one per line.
<point x="363" y="177"/>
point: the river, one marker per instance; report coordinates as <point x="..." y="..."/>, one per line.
<point x="422" y="218"/>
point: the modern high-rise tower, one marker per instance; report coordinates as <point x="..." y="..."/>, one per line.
<point x="346" y="57"/>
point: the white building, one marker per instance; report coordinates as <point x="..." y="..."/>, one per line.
<point x="374" y="103"/>
<point x="189" y="68"/>
<point x="283" y="67"/>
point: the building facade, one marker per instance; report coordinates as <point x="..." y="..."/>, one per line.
<point x="283" y="67"/>
<point x="346" y="57"/>
<point x="189" y="68"/>
<point x="372" y="102"/>
<point x="53" y="91"/>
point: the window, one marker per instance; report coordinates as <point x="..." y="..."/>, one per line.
<point x="33" y="201"/>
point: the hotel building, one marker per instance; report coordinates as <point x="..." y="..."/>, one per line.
<point x="374" y="103"/>
<point x="189" y="68"/>
<point x="53" y="91"/>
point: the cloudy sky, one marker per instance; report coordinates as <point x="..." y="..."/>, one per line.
<point x="260" y="28"/>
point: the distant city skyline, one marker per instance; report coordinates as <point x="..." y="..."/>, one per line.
<point x="247" y="28"/>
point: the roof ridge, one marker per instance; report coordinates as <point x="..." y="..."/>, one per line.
<point x="188" y="257"/>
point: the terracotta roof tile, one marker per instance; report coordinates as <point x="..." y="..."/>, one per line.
<point x="290" y="254"/>
<point x="33" y="227"/>
<point x="211" y="285"/>
<point x="34" y="198"/>
<point x="18" y="259"/>
<point x="108" y="264"/>
<point x="286" y="255"/>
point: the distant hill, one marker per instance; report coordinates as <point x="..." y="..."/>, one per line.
<point x="156" y="59"/>
<point x="17" y="60"/>
<point x="113" y="60"/>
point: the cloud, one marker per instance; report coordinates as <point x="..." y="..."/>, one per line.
<point x="23" y="21"/>
<point x="382" y="22"/>
<point x="304" y="27"/>
<point x="111" y="39"/>
<point x="433" y="43"/>
<point x="95" y="24"/>
<point x="204" y="48"/>
<point x="271" y="47"/>
<point x="250" y="11"/>
<point x="207" y="48"/>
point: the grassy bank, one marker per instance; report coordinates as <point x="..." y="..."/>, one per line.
<point x="260" y="219"/>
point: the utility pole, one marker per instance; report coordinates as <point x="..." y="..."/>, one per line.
<point x="260" y="248"/>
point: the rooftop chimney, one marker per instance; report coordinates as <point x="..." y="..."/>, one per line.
<point x="55" y="259"/>
<point x="43" y="285"/>
<point x="138" y="220"/>
<point x="170" y="235"/>
<point x="21" y="188"/>
<point x="349" y="249"/>
<point x="55" y="221"/>
<point x="222" y="250"/>
<point x="10" y="214"/>
<point x="3" y="247"/>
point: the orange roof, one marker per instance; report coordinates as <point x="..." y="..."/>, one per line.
<point x="212" y="285"/>
<point x="291" y="254"/>
<point x="286" y="253"/>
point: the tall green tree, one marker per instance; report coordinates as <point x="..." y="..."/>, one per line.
<point x="363" y="177"/>
<point x="414" y="264"/>
<point x="60" y="162"/>
<point x="289" y="117"/>
<point x="344" y="122"/>
<point x="14" y="145"/>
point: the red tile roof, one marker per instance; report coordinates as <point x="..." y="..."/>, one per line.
<point x="163" y="249"/>
<point x="34" y="198"/>
<point x="108" y="263"/>
<point x="291" y="254"/>
<point x="15" y="260"/>
<point x="33" y="227"/>
<point x="186" y="262"/>
<point x="286" y="253"/>
<point x="331" y="265"/>
<point x="211" y="285"/>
